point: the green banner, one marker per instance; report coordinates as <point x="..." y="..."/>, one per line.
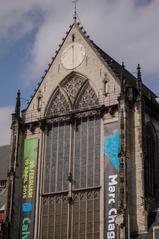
<point x="28" y="188"/>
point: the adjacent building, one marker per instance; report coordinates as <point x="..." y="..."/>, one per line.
<point x="4" y="164"/>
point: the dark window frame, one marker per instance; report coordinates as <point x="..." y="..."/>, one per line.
<point x="78" y="194"/>
<point x="151" y="149"/>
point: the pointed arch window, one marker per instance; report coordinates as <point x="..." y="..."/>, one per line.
<point x="71" y="175"/>
<point x="39" y="101"/>
<point x="73" y="93"/>
<point x="150" y="159"/>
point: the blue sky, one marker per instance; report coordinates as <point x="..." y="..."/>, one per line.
<point x="31" y="30"/>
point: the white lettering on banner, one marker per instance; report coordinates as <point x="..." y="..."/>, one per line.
<point x="113" y="180"/>
<point x="111" y="235"/>
<point x="112" y="213"/>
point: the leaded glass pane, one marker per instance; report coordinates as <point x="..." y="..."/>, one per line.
<point x="57" y="158"/>
<point x="47" y="159"/>
<point x="72" y="149"/>
<point x="91" y="152"/>
<point x="53" y="157"/>
<point x="85" y="215"/>
<point x="66" y="146"/>
<point x="77" y="155"/>
<point x="60" y="160"/>
<point x="97" y="152"/>
<point x="87" y="153"/>
<point x="83" y="158"/>
<point x="54" y="225"/>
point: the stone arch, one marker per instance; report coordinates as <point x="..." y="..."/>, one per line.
<point x="74" y="92"/>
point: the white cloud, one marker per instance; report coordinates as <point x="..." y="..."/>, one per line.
<point x="124" y="30"/>
<point x="19" y="16"/>
<point x="47" y="40"/>
<point x="5" y="123"/>
<point x="129" y="33"/>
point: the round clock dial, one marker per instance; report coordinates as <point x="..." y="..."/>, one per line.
<point x="73" y="56"/>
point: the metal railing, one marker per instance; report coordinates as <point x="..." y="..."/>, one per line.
<point x="35" y="115"/>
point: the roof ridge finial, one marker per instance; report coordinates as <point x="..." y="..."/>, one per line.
<point x="122" y="78"/>
<point x="139" y="72"/>
<point x="75" y="10"/>
<point x="18" y="103"/>
<point x="139" y="78"/>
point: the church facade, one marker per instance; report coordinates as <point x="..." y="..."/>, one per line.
<point x="84" y="153"/>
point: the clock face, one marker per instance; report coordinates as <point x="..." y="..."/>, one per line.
<point x="73" y="56"/>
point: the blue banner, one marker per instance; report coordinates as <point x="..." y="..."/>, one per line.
<point x="111" y="151"/>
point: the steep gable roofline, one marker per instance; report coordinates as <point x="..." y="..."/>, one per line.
<point x="49" y="66"/>
<point x="114" y="67"/>
<point x="95" y="48"/>
<point x="83" y="33"/>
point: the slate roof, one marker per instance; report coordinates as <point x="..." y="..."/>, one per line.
<point x="4" y="161"/>
<point x="116" y="68"/>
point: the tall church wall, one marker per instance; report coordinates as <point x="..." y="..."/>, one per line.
<point x="143" y="210"/>
<point x="155" y="124"/>
<point x="139" y="160"/>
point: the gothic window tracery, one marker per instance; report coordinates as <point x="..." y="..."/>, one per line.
<point x="88" y="98"/>
<point x="58" y="104"/>
<point x="72" y="87"/>
<point x="71" y="173"/>
<point x="73" y="93"/>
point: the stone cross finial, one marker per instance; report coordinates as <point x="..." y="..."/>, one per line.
<point x="139" y="78"/>
<point x="75" y="10"/>
<point x="139" y="72"/>
<point x="18" y="103"/>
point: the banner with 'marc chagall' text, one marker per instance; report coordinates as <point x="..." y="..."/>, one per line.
<point x="28" y="188"/>
<point x="111" y="151"/>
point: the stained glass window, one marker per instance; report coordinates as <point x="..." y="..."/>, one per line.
<point x="57" y="158"/>
<point x="87" y="152"/>
<point x="71" y="188"/>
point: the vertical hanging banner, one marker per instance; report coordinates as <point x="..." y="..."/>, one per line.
<point x="28" y="188"/>
<point x="111" y="150"/>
